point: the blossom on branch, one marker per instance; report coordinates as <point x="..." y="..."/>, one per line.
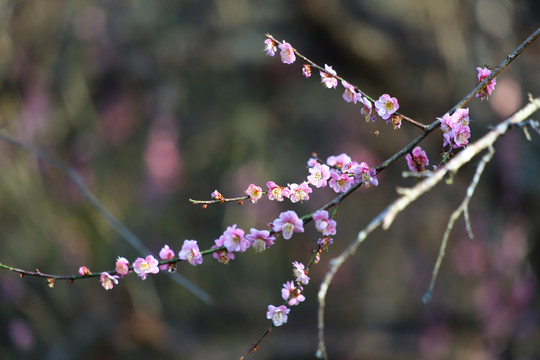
<point x="418" y="160"/>
<point x="386" y="106"/>
<point x="287" y="53"/>
<point x="166" y="253"/>
<point x="270" y="47"/>
<point x="327" y="77"/>
<point x="306" y="70"/>
<point x="146" y="266"/>
<point x="485" y="92"/>
<point x="288" y="223"/>
<point x="299" y="192"/>
<point x="260" y="240"/>
<point x="323" y="223"/>
<point x="234" y="239"/>
<point x="292" y="292"/>
<point x="319" y="175"/>
<point x="190" y="253"/>
<point x="276" y="192"/>
<point x="367" y="109"/>
<point x="455" y="128"/>
<point x="83" y="270"/>
<point x="300" y="273"/>
<point x="122" y="266"/>
<point x="107" y="280"/>
<point x="223" y="256"/>
<point x="278" y="315"/>
<point x="254" y="192"/>
<point x="350" y="92"/>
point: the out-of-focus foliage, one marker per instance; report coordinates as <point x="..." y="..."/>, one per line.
<point x="155" y="102"/>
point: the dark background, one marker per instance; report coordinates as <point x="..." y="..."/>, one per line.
<point x="154" y="103"/>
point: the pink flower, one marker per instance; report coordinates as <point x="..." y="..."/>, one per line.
<point x="278" y="315"/>
<point x="270" y="47"/>
<point x="190" y="252"/>
<point x="260" y="240"/>
<point x="367" y="109"/>
<point x="418" y="160"/>
<point x="340" y="182"/>
<point x="319" y="175"/>
<point x="325" y="241"/>
<point x="166" y="254"/>
<point x="288" y="223"/>
<point x="289" y="290"/>
<point x="299" y="192"/>
<point x="306" y="70"/>
<point x="326" y="77"/>
<point x="83" y="270"/>
<point x="323" y="223"/>
<point x="455" y="128"/>
<point x="276" y="192"/>
<point x="234" y="239"/>
<point x="338" y="161"/>
<point x="300" y="273"/>
<point x="365" y="174"/>
<point x="107" y="280"/>
<point x="287" y="53"/>
<point x="216" y="195"/>
<point x="223" y="256"/>
<point x="350" y="92"/>
<point x="145" y="266"/>
<point x="122" y="266"/>
<point x="254" y="192"/>
<point x="386" y="106"/>
<point x="485" y="92"/>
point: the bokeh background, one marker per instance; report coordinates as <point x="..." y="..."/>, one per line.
<point x="154" y="103"/>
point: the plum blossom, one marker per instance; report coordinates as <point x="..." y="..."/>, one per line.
<point x="166" y="253"/>
<point x="306" y="70"/>
<point x="276" y="192"/>
<point x="287" y="53"/>
<point x="107" y="280"/>
<point x="190" y="252"/>
<point x="326" y="77"/>
<point x="325" y="241"/>
<point x="260" y="240"/>
<point x="270" y="47"/>
<point x="323" y="223"/>
<point x="485" y="92"/>
<point x="83" y="270"/>
<point x="299" y="192"/>
<point x="234" y="239"/>
<point x="143" y="267"/>
<point x="367" y="109"/>
<point x="367" y="175"/>
<point x="340" y="182"/>
<point x="223" y="256"/>
<point x="338" y="161"/>
<point x="254" y="192"/>
<point x="122" y="266"/>
<point x="319" y="175"/>
<point x="418" y="160"/>
<point x="290" y="291"/>
<point x="288" y="223"/>
<point x="386" y="106"/>
<point x="278" y="315"/>
<point x="455" y="128"/>
<point x="300" y="273"/>
<point x="350" y="92"/>
<point x="216" y="195"/>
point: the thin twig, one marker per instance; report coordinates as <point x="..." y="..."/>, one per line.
<point x="120" y="228"/>
<point x="463" y="208"/>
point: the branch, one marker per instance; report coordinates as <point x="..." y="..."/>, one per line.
<point x="387" y="216"/>
<point x="120" y="228"/>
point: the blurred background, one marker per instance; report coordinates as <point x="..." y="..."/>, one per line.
<point x="154" y="103"/>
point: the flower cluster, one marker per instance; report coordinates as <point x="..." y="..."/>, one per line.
<point x="455" y="128"/>
<point x="418" y="160"/>
<point x="386" y="106"/>
<point x="485" y="92"/>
